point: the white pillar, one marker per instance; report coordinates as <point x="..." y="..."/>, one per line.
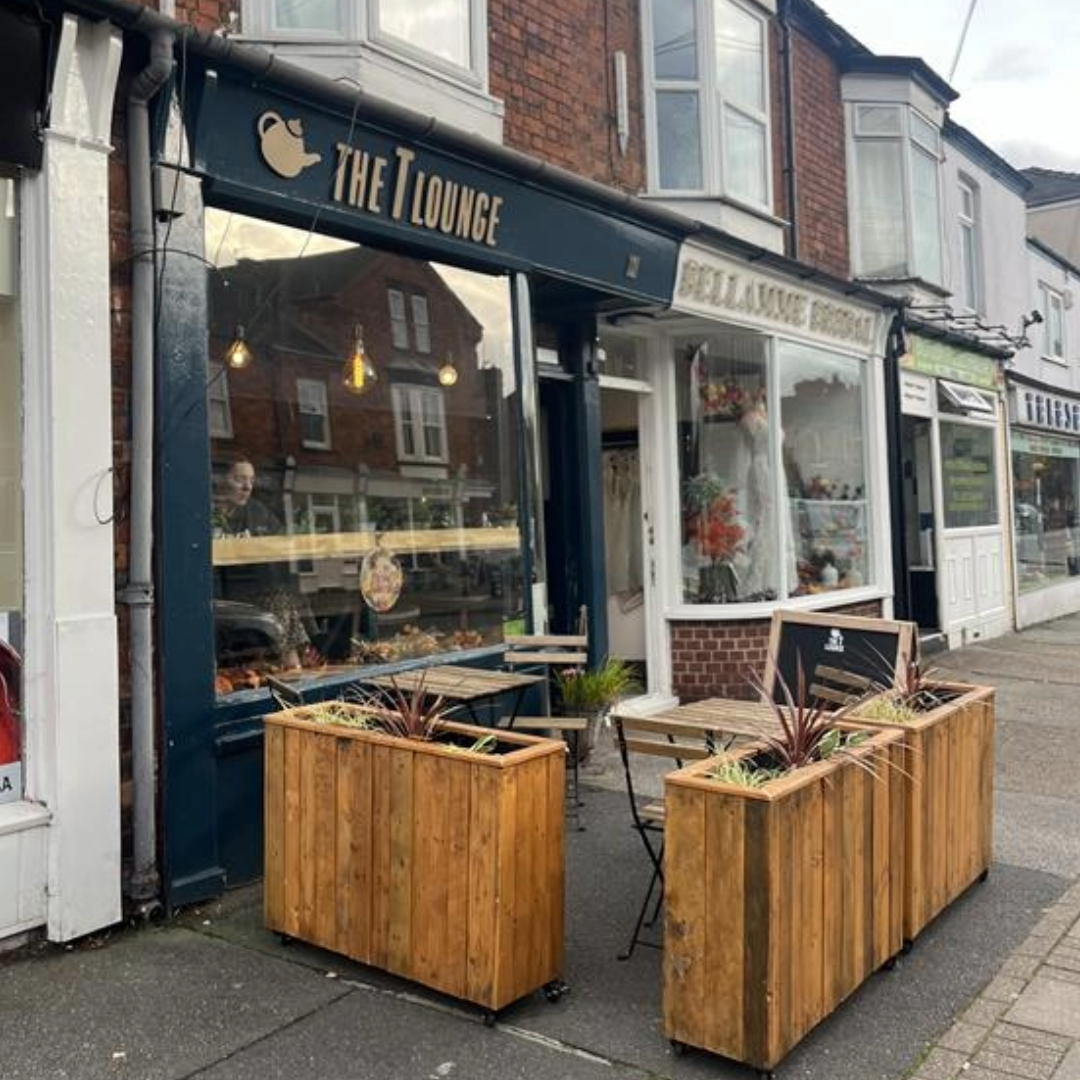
<point x="71" y="675"/>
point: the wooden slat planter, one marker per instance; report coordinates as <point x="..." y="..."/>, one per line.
<point x="949" y="800"/>
<point x="441" y="866"/>
<point x="780" y="901"/>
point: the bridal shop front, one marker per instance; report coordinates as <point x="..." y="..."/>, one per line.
<point x="769" y="483"/>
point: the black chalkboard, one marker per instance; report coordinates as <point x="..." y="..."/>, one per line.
<point x="875" y="649"/>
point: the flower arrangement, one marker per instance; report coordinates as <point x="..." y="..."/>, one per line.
<point x="722" y="398"/>
<point x="713" y="526"/>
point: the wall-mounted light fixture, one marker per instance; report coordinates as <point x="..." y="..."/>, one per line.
<point x="359" y="373"/>
<point x="239" y="355"/>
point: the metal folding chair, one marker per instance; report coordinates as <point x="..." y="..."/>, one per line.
<point x="640" y="738"/>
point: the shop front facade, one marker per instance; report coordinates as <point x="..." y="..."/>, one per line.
<point x="953" y="471"/>
<point x="59" y="697"/>
<point x="766" y="481"/>
<point x="1044" y="444"/>
<point x="361" y="466"/>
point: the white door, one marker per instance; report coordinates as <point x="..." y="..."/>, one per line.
<point x="971" y="556"/>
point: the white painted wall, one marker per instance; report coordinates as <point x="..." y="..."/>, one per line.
<point x="1041" y="269"/>
<point x="67" y="866"/>
<point x="1002" y="231"/>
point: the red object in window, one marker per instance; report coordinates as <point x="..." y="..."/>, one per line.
<point x="9" y="704"/>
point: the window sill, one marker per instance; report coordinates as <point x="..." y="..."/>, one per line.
<point x="733" y="612"/>
<point x="458" y="102"/>
<point x="21" y="816"/>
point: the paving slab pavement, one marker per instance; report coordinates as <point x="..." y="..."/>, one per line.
<point x="991" y="990"/>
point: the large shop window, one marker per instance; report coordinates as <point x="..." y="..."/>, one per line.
<point x="11" y="506"/>
<point x="1046" y="493"/>
<point x="752" y="532"/>
<point x="709" y="105"/>
<point x="368" y="519"/>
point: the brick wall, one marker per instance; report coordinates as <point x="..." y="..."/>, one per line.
<point x="552" y="64"/>
<point x="713" y="659"/>
<point x="820" y="163"/>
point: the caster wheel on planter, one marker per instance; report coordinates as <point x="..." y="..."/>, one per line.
<point x="555" y="989"/>
<point x="678" y="1048"/>
<point x="490" y="1016"/>
<point x="983" y="876"/>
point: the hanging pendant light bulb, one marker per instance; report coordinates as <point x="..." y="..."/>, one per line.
<point x="448" y="374"/>
<point x="359" y="373"/>
<point x="239" y="355"/>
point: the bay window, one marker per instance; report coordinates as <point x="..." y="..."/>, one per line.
<point x="449" y="35"/>
<point x="897" y="219"/>
<point x="708" y="110"/>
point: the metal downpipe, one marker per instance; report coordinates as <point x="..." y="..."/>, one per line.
<point x="139" y="594"/>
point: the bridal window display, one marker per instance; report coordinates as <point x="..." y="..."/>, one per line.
<point x="772" y="470"/>
<point x="730" y="533"/>
<point x="821" y="412"/>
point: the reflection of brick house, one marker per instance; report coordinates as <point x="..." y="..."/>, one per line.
<point x="300" y="317"/>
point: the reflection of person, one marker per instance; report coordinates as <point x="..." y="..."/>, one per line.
<point x="265" y="585"/>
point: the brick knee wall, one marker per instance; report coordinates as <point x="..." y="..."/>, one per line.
<point x="715" y="659"/>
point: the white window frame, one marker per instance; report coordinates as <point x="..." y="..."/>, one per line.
<point x="907" y="138"/>
<point x="314" y="391"/>
<point x="711" y="106"/>
<point x="217" y="392"/>
<point x="969" y="225"/>
<point x="399" y="319"/>
<point x="410" y="398"/>
<point x="1053" y="310"/>
<point x="358" y="23"/>
<point x="421" y="320"/>
<point x="410" y="320"/>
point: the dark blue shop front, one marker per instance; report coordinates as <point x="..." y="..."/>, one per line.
<point x="360" y="467"/>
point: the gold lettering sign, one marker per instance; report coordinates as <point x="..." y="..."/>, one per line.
<point x="396" y="188"/>
<point x="754" y="297"/>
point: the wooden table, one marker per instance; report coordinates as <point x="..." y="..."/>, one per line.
<point x="465" y="686"/>
<point x="727" y="718"/>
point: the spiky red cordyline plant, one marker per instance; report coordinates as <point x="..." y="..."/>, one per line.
<point x="804" y="722"/>
<point x="413" y="714"/>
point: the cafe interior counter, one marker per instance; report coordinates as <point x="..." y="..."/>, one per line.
<point x="238" y="551"/>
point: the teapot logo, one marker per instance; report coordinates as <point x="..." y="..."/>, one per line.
<point x="835" y="642"/>
<point x="282" y="144"/>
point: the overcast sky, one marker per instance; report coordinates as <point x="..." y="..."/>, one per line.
<point x="1019" y="71"/>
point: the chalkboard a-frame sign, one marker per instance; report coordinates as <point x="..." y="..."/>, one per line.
<point x="875" y="649"/>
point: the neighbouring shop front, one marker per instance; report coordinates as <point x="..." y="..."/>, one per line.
<point x="59" y="701"/>
<point x="359" y="467"/>
<point x="767" y="483"/>
<point x="1044" y="440"/>
<point x="953" y="476"/>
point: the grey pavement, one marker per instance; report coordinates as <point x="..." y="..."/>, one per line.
<point x="990" y="991"/>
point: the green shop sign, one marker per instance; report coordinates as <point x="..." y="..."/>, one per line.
<point x="945" y="361"/>
<point x="1043" y="446"/>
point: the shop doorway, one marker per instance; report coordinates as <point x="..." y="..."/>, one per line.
<point x="624" y="532"/>
<point x="918" y="488"/>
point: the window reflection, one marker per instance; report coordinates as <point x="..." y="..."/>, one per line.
<point x="354" y="528"/>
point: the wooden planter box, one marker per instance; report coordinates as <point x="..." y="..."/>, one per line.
<point x="442" y="866"/>
<point x="780" y="901"/>
<point x="949" y="801"/>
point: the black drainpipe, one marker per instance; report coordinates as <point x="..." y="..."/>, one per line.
<point x="894" y="349"/>
<point x="787" y="81"/>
